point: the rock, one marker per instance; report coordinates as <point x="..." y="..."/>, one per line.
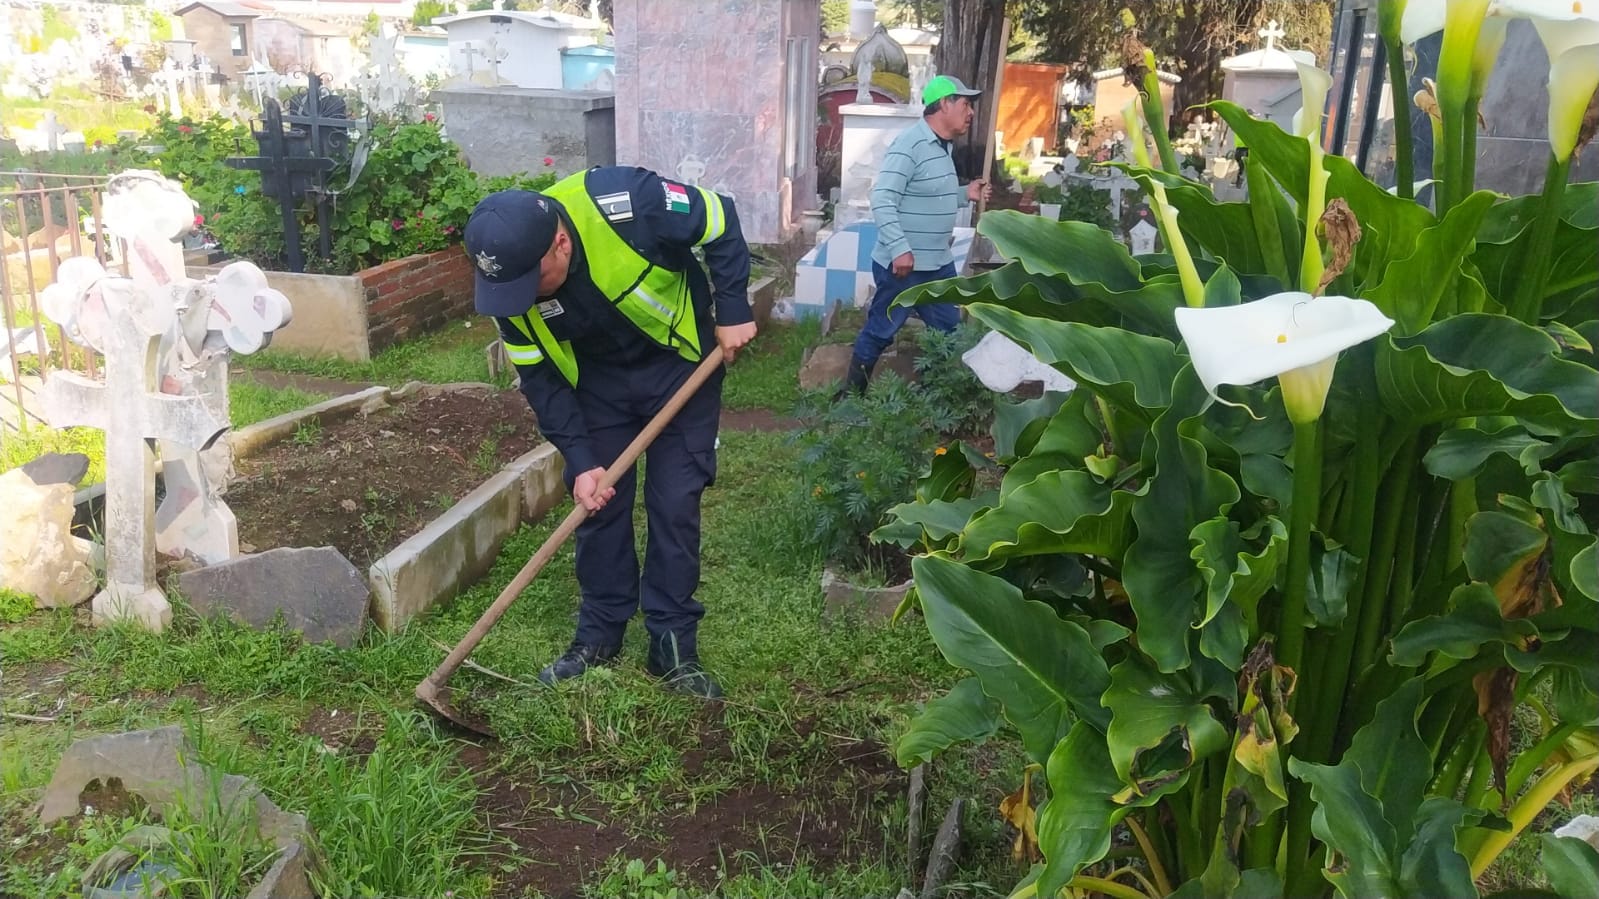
<point x="158" y="766"/>
<point x="826" y="365"/>
<point x="946" y="849"/>
<point x="58" y="468"/>
<point x="320" y="593"/>
<point x="1001" y="364"/>
<point x="879" y="603"/>
<point x="38" y="554"/>
<point x="915" y="801"/>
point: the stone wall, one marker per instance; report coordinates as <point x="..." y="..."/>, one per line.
<point x="506" y="130"/>
<point x="415" y="295"/>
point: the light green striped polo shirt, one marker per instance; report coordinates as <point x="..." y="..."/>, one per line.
<point x="915" y="199"/>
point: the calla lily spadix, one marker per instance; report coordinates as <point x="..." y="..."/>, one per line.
<point x="1292" y="336"/>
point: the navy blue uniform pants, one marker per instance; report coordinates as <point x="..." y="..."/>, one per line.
<point x="883" y="319"/>
<point x="617" y="402"/>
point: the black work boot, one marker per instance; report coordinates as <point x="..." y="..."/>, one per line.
<point x="577" y="659"/>
<point x="681" y="672"/>
<point x="856" y="379"/>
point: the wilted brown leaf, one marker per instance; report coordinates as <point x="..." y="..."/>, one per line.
<point x="1496" y="703"/>
<point x="1342" y="231"/>
<point x="1017" y="810"/>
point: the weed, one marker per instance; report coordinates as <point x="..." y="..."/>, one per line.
<point x="219" y="848"/>
<point x="484" y="459"/>
<point x="250" y="401"/>
<point x="14" y="606"/>
<point x="308" y="432"/>
<point x="634" y="879"/>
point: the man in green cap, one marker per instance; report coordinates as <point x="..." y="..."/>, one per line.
<point x="914" y="203"/>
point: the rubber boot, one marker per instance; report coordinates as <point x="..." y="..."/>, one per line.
<point x="856" y="379"/>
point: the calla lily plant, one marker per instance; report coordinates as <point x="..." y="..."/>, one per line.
<point x="1342" y="644"/>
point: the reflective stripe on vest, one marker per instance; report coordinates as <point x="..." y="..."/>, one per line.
<point x="539" y="337"/>
<point x="655" y="299"/>
<point x="715" y="216"/>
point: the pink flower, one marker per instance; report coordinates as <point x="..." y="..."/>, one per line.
<point x="449" y="229"/>
<point x="199" y="220"/>
<point x="184" y="129"/>
<point x="429" y="117"/>
<point x="98" y="143"/>
<point x="549" y="160"/>
<point x="397" y="224"/>
<point x="419" y="213"/>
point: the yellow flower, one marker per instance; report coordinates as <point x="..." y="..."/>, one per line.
<point x="940" y="451"/>
<point x="860" y="475"/>
<point x="817" y="491"/>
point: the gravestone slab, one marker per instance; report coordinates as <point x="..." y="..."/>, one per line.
<point x="827" y="364"/>
<point x="57" y="468"/>
<point x="158" y="766"/>
<point x="38" y="554"/>
<point x="1003" y="364"/>
<point x="321" y="595"/>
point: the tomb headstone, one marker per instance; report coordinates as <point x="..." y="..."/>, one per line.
<point x="138" y="322"/>
<point x="1141" y="237"/>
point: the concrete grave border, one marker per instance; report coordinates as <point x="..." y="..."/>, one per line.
<point x="455" y="548"/>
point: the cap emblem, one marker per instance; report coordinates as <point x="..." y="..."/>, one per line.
<point x="487" y="263"/>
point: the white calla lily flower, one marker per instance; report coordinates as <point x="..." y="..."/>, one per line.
<point x="1314" y="85"/>
<point x="1292" y="336"/>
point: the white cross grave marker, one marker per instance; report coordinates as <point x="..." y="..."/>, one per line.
<point x="165" y="338"/>
<point x="1271" y="33"/>
<point x="691" y="170"/>
<point x="1142" y="237"/>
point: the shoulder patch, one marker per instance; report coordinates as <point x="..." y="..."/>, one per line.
<point x="617" y="207"/>
<point x="676" y="197"/>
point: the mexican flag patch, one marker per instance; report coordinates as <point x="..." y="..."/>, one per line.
<point x="676" y="197"/>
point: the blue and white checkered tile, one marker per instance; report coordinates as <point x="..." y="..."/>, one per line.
<point x="840" y="268"/>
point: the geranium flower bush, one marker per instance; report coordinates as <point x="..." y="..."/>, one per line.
<point x="1263" y="596"/>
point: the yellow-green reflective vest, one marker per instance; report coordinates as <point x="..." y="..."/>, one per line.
<point x="656" y="300"/>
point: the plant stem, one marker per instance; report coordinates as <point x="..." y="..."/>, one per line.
<point x="1527" y="808"/>
<point x="1468" y="149"/>
<point x="1396" y="486"/>
<point x="1531" y="760"/>
<point x="1527" y="303"/>
<point x="1403" y="583"/>
<point x="1100" y="885"/>
<point x="1302" y="518"/>
<point x="1461" y="752"/>
<point x="1156" y="867"/>
<point x="1399" y="85"/>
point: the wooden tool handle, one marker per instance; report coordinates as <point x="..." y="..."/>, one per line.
<point x="623" y="463"/>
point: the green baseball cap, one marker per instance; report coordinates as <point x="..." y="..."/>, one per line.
<point x="944" y="86"/>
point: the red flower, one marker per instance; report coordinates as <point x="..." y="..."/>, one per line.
<point x="549" y="161"/>
<point x="449" y="229"/>
<point x="419" y="213"/>
<point x="429" y="117"/>
<point x="397" y="224"/>
<point x="184" y="129"/>
<point x="199" y="220"/>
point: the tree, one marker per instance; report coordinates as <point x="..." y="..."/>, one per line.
<point x="969" y="49"/>
<point x="1188" y="37"/>
<point x="426" y="11"/>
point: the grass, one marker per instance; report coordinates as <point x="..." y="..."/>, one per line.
<point x="400" y="807"/>
<point x="451" y="354"/>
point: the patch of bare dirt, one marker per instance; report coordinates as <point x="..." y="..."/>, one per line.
<point x="365" y="484"/>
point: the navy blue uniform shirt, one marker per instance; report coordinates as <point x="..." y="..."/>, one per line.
<point x="601" y="336"/>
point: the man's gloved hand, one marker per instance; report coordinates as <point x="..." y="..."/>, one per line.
<point x="586" y="490"/>
<point x="732" y="338"/>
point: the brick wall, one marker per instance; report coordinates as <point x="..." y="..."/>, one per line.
<point x="414" y="295"/>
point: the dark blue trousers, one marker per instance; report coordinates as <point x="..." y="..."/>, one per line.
<point x="617" y="402"/>
<point x="883" y="319"/>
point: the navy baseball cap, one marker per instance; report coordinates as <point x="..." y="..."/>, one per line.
<point x="506" y="238"/>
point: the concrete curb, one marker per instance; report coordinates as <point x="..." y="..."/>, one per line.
<point x="251" y="438"/>
<point x="460" y="546"/>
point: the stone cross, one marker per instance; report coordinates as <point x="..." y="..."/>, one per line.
<point x="1142" y="237"/>
<point x="691" y="170"/>
<point x="493" y="54"/>
<point x="1271" y="33"/>
<point x="165" y="339"/>
<point x="384" y="86"/>
<point x="170" y="76"/>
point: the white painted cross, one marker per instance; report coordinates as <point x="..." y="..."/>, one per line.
<point x="165" y="338"/>
<point x="1271" y="33"/>
<point x="493" y="54"/>
<point x="691" y="170"/>
<point x="169" y="77"/>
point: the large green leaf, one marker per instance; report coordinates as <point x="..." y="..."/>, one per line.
<point x="1382" y="838"/>
<point x="1504" y="239"/>
<point x="1235" y="571"/>
<point x="1389" y="225"/>
<point x="1132" y="370"/>
<point x="963" y="715"/>
<point x="1570" y="541"/>
<point x="1165" y="586"/>
<point x="1151" y="710"/>
<point x="1036" y="664"/>
<point x="1472" y="623"/>
<point x="1462" y="452"/>
<point x="1281" y="242"/>
<point x="1074" y="825"/>
<point x="1333" y="572"/>
<point x="1571" y="865"/>
<point x="1017" y="425"/>
<point x="1058" y="512"/>
<point x="1224" y="230"/>
<point x="934" y="521"/>
<point x="1069" y="436"/>
<point x="1411" y="288"/>
<point x="1479" y="364"/>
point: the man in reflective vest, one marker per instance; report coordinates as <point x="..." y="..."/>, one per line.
<point x="605" y="311"/>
